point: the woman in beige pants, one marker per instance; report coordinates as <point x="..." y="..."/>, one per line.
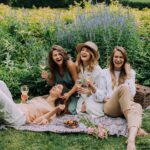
<point x="119" y="90"/>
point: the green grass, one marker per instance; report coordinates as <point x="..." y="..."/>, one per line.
<point x="12" y="139"/>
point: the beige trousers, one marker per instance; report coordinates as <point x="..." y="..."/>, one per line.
<point x="121" y="101"/>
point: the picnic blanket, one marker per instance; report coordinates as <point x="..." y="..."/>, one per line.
<point x="115" y="126"/>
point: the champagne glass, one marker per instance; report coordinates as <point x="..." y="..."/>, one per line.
<point x="24" y="93"/>
<point x="88" y="77"/>
<point x="43" y="64"/>
<point x="79" y="84"/>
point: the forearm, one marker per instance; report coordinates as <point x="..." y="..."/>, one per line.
<point x="72" y="91"/>
<point x="50" y="114"/>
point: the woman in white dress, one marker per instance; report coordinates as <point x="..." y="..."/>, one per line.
<point x="91" y="100"/>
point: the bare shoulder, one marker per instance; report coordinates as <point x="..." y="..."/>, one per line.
<point x="70" y="64"/>
<point x="72" y="69"/>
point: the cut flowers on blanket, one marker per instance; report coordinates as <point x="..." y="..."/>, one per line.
<point x="99" y="131"/>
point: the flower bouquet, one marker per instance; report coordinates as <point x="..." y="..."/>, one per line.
<point x="99" y="131"/>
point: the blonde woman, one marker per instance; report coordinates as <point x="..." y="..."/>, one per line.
<point x="119" y="92"/>
<point x="91" y="100"/>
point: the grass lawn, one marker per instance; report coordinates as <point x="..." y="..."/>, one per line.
<point x="11" y="139"/>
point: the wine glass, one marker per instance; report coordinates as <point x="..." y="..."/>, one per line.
<point x="24" y="93"/>
<point x="88" y="77"/>
<point x="43" y="64"/>
<point x="79" y="84"/>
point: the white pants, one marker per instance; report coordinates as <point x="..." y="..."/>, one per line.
<point x="9" y="112"/>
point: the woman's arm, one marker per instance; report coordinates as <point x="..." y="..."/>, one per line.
<point x="73" y="72"/>
<point x="130" y="82"/>
<point x="46" y="118"/>
<point x="100" y="86"/>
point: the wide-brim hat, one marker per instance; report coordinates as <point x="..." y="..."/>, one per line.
<point x="92" y="46"/>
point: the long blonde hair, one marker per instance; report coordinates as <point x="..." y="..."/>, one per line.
<point x="92" y="61"/>
<point x="123" y="75"/>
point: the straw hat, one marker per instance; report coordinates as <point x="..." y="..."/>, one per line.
<point x="92" y="46"/>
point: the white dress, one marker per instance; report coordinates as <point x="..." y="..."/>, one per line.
<point x="93" y="102"/>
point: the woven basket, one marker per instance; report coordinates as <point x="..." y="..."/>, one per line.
<point x="142" y="95"/>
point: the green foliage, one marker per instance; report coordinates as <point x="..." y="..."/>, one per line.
<point x="136" y="3"/>
<point x="42" y="3"/>
<point x="31" y="76"/>
<point x="24" y="44"/>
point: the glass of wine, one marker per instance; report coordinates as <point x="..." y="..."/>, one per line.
<point x="43" y="64"/>
<point x="88" y="77"/>
<point x="24" y="93"/>
<point x="79" y="84"/>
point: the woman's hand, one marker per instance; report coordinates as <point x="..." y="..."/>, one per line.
<point x="44" y="75"/>
<point x="83" y="90"/>
<point x="128" y="70"/>
<point x="41" y="121"/>
<point x="91" y="85"/>
<point x="65" y="97"/>
<point x="61" y="107"/>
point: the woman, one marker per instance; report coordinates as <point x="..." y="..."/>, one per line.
<point x="119" y="92"/>
<point x="39" y="111"/>
<point x="63" y="71"/>
<point x="91" y="100"/>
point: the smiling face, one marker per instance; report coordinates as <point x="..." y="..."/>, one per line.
<point x="56" y="90"/>
<point x="85" y="54"/>
<point x="118" y="60"/>
<point x="57" y="57"/>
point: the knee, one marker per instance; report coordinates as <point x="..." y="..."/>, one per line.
<point x="2" y="83"/>
<point x="139" y="108"/>
<point x="72" y="109"/>
<point x="123" y="89"/>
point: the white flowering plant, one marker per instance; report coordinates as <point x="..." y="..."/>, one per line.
<point x="98" y="131"/>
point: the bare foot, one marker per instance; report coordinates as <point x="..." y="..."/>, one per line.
<point x="131" y="145"/>
<point x="141" y="132"/>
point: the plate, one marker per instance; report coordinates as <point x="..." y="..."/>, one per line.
<point x="71" y="124"/>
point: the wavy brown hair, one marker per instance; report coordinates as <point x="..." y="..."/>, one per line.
<point x="92" y="61"/>
<point x="52" y="65"/>
<point x="123" y="75"/>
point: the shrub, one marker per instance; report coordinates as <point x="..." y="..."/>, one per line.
<point x="31" y="76"/>
<point x="25" y="42"/>
<point x="43" y="3"/>
<point x="136" y="3"/>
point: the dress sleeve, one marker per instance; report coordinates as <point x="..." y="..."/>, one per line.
<point x="131" y="83"/>
<point x="100" y="85"/>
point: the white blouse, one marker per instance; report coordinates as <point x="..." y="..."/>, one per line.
<point x="108" y="82"/>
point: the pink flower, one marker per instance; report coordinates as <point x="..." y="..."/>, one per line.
<point x="90" y="130"/>
<point x="101" y="134"/>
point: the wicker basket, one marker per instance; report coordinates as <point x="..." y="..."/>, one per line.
<point x="142" y="95"/>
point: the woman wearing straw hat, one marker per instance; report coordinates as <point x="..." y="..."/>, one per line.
<point x="91" y="100"/>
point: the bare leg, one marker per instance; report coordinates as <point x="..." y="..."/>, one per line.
<point x="83" y="108"/>
<point x="133" y="116"/>
<point x="131" y="138"/>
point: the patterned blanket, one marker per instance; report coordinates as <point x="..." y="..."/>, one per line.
<point x="115" y="126"/>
